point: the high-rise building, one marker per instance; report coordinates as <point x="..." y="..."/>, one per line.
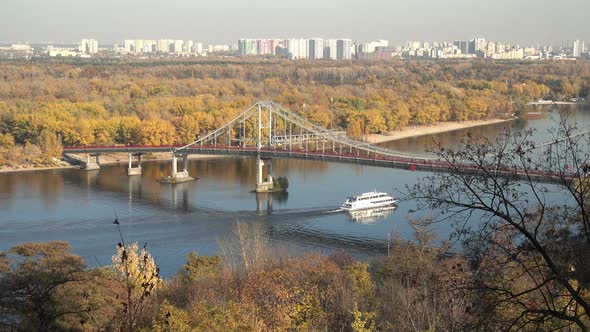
<point x="330" y="46"/>
<point x="475" y="45"/>
<point x="316" y="48"/>
<point x="344" y="49"/>
<point x="371" y="47"/>
<point x="130" y="45"/>
<point x="577" y="48"/>
<point x="178" y="46"/>
<point x="88" y="46"/>
<point x="165" y="45"/>
<point x="298" y="48"/>
<point x="490" y="49"/>
<point x="247" y="47"/>
<point x="149" y="46"/>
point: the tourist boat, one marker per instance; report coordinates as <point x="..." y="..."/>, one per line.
<point x="370" y="200"/>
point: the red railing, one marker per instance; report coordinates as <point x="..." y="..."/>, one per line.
<point x="328" y="153"/>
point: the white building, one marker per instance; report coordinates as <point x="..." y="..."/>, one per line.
<point x="21" y="47"/>
<point x="344" y="49"/>
<point x="245" y="47"/>
<point x="316" y="48"/>
<point x="577" y="48"/>
<point x="330" y="48"/>
<point x="88" y="46"/>
<point x="298" y="48"/>
<point x="129" y="46"/>
<point x="198" y="48"/>
<point x="371" y="47"/>
<point x="149" y="46"/>
<point x="512" y="54"/>
<point x="165" y="45"/>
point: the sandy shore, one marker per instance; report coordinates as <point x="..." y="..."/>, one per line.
<point x="440" y="127"/>
<point x="557" y="103"/>
<point x="105" y="159"/>
<point x="26" y="168"/>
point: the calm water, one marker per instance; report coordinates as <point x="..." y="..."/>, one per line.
<point x="79" y="206"/>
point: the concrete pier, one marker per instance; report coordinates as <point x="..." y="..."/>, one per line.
<point x="261" y="185"/>
<point x="90" y="165"/>
<point x="134" y="170"/>
<point x="176" y="176"/>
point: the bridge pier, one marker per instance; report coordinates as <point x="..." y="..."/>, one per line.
<point x="134" y="170"/>
<point x="261" y="185"/>
<point x="90" y="165"/>
<point x="176" y="176"/>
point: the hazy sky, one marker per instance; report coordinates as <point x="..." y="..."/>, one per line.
<point x="224" y="21"/>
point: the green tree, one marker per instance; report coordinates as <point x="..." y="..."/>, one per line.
<point x="33" y="281"/>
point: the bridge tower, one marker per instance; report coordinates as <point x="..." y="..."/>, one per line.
<point x="261" y="184"/>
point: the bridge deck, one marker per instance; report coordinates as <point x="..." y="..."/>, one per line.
<point x="327" y="155"/>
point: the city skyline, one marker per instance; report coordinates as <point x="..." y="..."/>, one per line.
<point x="523" y="22"/>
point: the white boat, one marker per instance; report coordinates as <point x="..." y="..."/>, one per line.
<point x="370" y="200"/>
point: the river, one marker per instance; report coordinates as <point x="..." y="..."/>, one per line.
<point x="79" y="206"/>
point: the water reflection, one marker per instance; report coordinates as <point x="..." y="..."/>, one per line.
<point x="264" y="201"/>
<point x="369" y="216"/>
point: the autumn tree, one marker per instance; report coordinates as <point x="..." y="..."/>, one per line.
<point x="50" y="145"/>
<point x="35" y="280"/>
<point x="139" y="278"/>
<point x="531" y="250"/>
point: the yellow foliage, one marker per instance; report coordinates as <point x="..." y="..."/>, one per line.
<point x="363" y="321"/>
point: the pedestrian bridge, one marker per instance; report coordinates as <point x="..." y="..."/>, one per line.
<point x="267" y="130"/>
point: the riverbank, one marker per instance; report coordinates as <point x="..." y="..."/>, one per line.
<point x="29" y="168"/>
<point x="105" y="160"/>
<point x="558" y="103"/>
<point x="440" y="127"/>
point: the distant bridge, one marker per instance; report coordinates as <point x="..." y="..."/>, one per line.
<point x="267" y="130"/>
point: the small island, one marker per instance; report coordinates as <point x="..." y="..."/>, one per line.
<point x="273" y="185"/>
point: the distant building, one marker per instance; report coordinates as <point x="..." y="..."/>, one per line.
<point x="477" y="46"/>
<point x="316" y="48"/>
<point x="247" y="47"/>
<point x="577" y="48"/>
<point x="371" y="47"/>
<point x="178" y="46"/>
<point x="344" y="49"/>
<point x="298" y="48"/>
<point x="88" y="46"/>
<point x="512" y="54"/>
<point x="165" y="45"/>
<point x="21" y="47"/>
<point x="330" y="46"/>
<point x="198" y="48"/>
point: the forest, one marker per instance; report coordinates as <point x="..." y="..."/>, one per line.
<point x="250" y="286"/>
<point x="46" y="105"/>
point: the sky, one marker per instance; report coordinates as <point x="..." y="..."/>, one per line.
<point x="225" y="21"/>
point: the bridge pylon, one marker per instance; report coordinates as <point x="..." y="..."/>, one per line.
<point x="90" y="165"/>
<point x="263" y="185"/>
<point x="134" y="170"/>
<point x="178" y="176"/>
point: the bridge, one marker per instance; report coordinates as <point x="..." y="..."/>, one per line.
<point x="267" y="130"/>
